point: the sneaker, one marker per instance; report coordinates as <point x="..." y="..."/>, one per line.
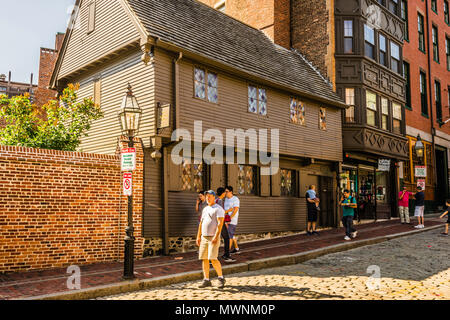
<point x="235" y="251"/>
<point x="205" y="283"/>
<point x="354" y="234"/>
<point x="309" y="233"/>
<point x="228" y="259"/>
<point x="347" y="238"/>
<point x="221" y="283"/>
<point x="444" y="234"/>
<point x="417" y="227"/>
<point x="315" y="232"/>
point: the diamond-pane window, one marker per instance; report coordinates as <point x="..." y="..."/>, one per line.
<point x="323" y="119"/>
<point x="288" y="183"/>
<point x="252" y="99"/>
<point x="262" y="99"/>
<point x="294" y="113"/>
<point x="247" y="182"/>
<point x="200" y="86"/>
<point x="241" y="179"/>
<point x="297" y="111"/>
<point x="186" y="175"/>
<point x="212" y="88"/>
<point x="198" y="177"/>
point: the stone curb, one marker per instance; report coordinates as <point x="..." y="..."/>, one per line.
<point x="137" y="285"/>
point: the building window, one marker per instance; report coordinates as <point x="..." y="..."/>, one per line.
<point x="434" y="5"/>
<point x="371" y="107"/>
<point x="348" y="36"/>
<point x="247" y="180"/>
<point x="447" y="51"/>
<point x="421" y="32"/>
<point x="393" y="5"/>
<point x="423" y="93"/>
<point x="383" y="51"/>
<point x="257" y="100"/>
<point x="205" y="84"/>
<point x="297" y="111"/>
<point x="395" y="57"/>
<point x="323" y="119"/>
<point x="369" y="37"/>
<point x="91" y="17"/>
<point x="193" y="176"/>
<point x="404" y="5"/>
<point x="288" y="183"/>
<point x="384" y="114"/>
<point x="407" y="74"/>
<point x="397" y="117"/>
<point x="446" y="12"/>
<point x="437" y="99"/>
<point x="350" y="101"/>
<point x="435" y="37"/>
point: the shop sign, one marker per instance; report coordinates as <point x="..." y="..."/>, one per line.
<point x="420" y="171"/>
<point x="421" y="183"/>
<point x="384" y="164"/>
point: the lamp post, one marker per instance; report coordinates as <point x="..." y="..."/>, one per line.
<point x="419" y="148"/>
<point x="130" y="118"/>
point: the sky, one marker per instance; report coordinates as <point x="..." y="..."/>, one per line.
<point x="28" y="25"/>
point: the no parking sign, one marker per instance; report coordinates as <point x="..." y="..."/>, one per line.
<point x="127" y="184"/>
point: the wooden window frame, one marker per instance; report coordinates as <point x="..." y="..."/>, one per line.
<point x="394" y="118"/>
<point x="385" y="115"/>
<point x="294" y="183"/>
<point x="438" y="100"/>
<point x="423" y="92"/>
<point x="394" y="60"/>
<point x="299" y="123"/>
<point x="206" y="177"/>
<point x="207" y="72"/>
<point x="404" y="16"/>
<point x="407" y="76"/>
<point x="258" y="88"/>
<point x="349" y="37"/>
<point x="256" y="181"/>
<point x="349" y="103"/>
<point x="421" y="31"/>
<point x="371" y="110"/>
<point x="435" y="41"/>
<point x="385" y="51"/>
<point x="368" y="43"/>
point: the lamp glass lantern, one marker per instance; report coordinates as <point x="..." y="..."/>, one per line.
<point x="419" y="147"/>
<point x="130" y="114"/>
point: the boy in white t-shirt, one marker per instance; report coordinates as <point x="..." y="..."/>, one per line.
<point x="231" y="206"/>
<point x="208" y="238"/>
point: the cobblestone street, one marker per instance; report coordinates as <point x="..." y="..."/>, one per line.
<point x="413" y="267"/>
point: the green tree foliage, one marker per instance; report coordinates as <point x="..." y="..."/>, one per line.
<point x="58" y="125"/>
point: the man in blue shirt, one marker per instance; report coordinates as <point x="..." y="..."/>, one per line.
<point x="349" y="205"/>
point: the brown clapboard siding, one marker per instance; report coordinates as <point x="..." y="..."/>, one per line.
<point x="102" y="137"/>
<point x="113" y="29"/>
<point x="231" y="112"/>
<point x="153" y="211"/>
<point x="256" y="214"/>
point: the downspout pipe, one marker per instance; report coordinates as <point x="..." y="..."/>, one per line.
<point x="430" y="84"/>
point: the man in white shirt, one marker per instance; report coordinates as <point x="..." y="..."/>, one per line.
<point x="231" y="206"/>
<point x="208" y="238"/>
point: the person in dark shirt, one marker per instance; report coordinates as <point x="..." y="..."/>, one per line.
<point x="311" y="205"/>
<point x="420" y="208"/>
<point x="446" y="210"/>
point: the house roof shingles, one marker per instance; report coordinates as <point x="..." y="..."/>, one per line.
<point x="202" y="30"/>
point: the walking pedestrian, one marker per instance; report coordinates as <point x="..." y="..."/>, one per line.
<point x="420" y="208"/>
<point x="403" y="205"/>
<point x="208" y="239"/>
<point x="349" y="205"/>
<point x="224" y="233"/>
<point x="447" y="203"/>
<point x="312" y="203"/>
<point x="232" y="204"/>
<point x="200" y="204"/>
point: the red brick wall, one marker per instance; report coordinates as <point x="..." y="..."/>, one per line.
<point x="63" y="208"/>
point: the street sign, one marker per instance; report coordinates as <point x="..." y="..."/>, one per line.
<point x="127" y="184"/>
<point x="128" y="159"/>
<point x="420" y="171"/>
<point x="421" y="183"/>
<point x="384" y="164"/>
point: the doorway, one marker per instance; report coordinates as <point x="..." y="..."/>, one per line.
<point x="441" y="176"/>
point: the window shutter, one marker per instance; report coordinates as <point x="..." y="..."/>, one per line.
<point x="276" y="184"/>
<point x="91" y="18"/>
<point x="265" y="185"/>
<point x="97" y="91"/>
<point x="217" y="180"/>
<point x="174" y="172"/>
<point x="233" y="173"/>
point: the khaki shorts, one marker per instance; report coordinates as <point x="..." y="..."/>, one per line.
<point x="208" y="250"/>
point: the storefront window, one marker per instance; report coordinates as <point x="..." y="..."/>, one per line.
<point x="382" y="180"/>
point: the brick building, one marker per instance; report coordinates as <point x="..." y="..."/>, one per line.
<point x="358" y="46"/>
<point x="12" y="88"/>
<point x="47" y="62"/>
<point x="427" y="52"/>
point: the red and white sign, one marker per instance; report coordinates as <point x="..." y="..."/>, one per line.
<point x="421" y="183"/>
<point x="128" y="162"/>
<point x="127" y="184"/>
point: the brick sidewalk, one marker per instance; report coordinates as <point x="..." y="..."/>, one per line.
<point x="37" y="283"/>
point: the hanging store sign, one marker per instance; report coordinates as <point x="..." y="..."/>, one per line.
<point x="164" y="116"/>
<point x="128" y="159"/>
<point x="420" y="171"/>
<point x="421" y="183"/>
<point x="384" y="164"/>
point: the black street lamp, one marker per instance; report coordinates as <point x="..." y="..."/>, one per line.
<point x="419" y="148"/>
<point x="130" y="115"/>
